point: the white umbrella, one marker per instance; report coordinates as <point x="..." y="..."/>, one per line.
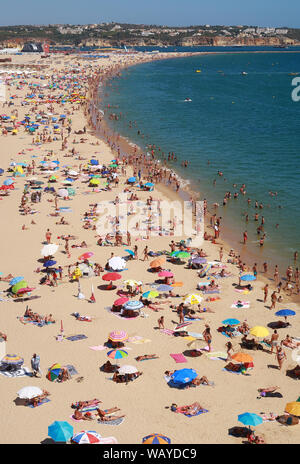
<point x="63" y="193"/>
<point x="29" y="392"/>
<point x="296" y="355"/>
<point x="127" y="370"/>
<point x="49" y="250"/>
<point x="73" y="173"/>
<point x="116" y="263"/>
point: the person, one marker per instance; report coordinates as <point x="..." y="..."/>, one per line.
<point x="146" y="356"/>
<point x="265" y="391"/>
<point x="105" y="418"/>
<point x="229" y="349"/>
<point x="48" y="236"/>
<point x="3" y="336"/>
<point x="289" y="342"/>
<point x="266" y="290"/>
<point x="273" y="300"/>
<point x="207" y="336"/>
<point x="280" y="355"/>
<point x="274" y="340"/>
<point x="35" y="365"/>
<point x="160" y="322"/>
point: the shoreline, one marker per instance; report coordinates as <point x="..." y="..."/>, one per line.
<point x="228" y="241"/>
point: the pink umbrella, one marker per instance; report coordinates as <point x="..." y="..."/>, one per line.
<point x="121" y="301"/>
<point x="25" y="290"/>
<point x="166" y="274"/>
<point x="86" y="255"/>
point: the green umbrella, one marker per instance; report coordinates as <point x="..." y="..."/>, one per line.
<point x="71" y="191"/>
<point x="19" y="285"/>
<point x="180" y="254"/>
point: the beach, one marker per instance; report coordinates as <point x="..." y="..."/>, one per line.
<point x="144" y="401"/>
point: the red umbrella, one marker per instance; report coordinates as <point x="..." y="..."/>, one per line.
<point x="166" y="274"/>
<point x="121" y="301"/>
<point x="111" y="276"/>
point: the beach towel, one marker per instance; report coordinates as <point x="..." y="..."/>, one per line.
<point x="71" y="369"/>
<point x="245" y="304"/>
<point x="118" y="421"/>
<point x="73" y="338"/>
<point x="235" y="333"/>
<point x="232" y="372"/>
<point x="140" y="341"/>
<point x="192" y="319"/>
<point x="189" y="337"/>
<point x="46" y="400"/>
<point x="167" y="331"/>
<point x="196" y="335"/>
<point x="98" y="347"/>
<point x="108" y="441"/>
<point x="181" y="326"/>
<point x="22" y="372"/>
<point x="209" y="292"/>
<point x="201" y="411"/>
<point x="178" y="357"/>
<point x="245" y="292"/>
<point x="217" y="355"/>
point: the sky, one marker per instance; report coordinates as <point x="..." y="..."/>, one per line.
<point x="273" y="13"/>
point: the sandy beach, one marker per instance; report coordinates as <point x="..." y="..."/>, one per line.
<point x="146" y="401"/>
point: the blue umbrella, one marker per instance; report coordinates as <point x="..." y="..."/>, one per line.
<point x="133" y="305"/>
<point x="132" y="180"/>
<point x="49" y="263"/>
<point x="184" y="376"/>
<point x="1" y="171"/>
<point x="164" y="288"/>
<point x="249" y="418"/>
<point x="15" y="280"/>
<point x="94" y="162"/>
<point x="60" y="431"/>
<point x="230" y="322"/>
<point x="8" y="182"/>
<point x="248" y="277"/>
<point x="130" y="252"/>
<point x="149" y="184"/>
<point x="285" y="312"/>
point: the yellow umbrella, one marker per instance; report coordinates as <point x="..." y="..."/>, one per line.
<point x="193" y="298"/>
<point x="259" y="331"/>
<point x="293" y="408"/>
<point x="131" y="282"/>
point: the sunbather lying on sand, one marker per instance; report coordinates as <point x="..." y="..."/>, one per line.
<point x="202" y="381"/>
<point x="104" y="417"/>
<point x="7" y="278"/>
<point x="146" y="356"/>
<point x="264" y="391"/>
<point x="289" y="342"/>
<point x="190" y="410"/>
<point x="38" y="399"/>
<point x="84" y="404"/>
<point x="78" y="415"/>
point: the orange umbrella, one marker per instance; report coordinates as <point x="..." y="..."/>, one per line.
<point x="158" y="262"/>
<point x="177" y="284"/>
<point x="242" y="357"/>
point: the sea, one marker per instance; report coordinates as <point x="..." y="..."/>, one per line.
<point x="241" y="120"/>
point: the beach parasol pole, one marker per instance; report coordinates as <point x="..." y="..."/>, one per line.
<point x="92" y="298"/>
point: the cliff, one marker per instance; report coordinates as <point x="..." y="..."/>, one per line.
<point x="240" y="40"/>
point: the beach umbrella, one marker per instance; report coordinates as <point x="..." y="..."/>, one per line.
<point x="149" y="184"/>
<point x="63" y="193"/>
<point x="94" y="181"/>
<point x="49" y="250"/>
<point x="158" y="262"/>
<point x="285" y="312"/>
<point x="8" y="182"/>
<point x="1" y="171"/>
<point x="118" y="336"/>
<point x="242" y="357"/>
<point x="259" y="331"/>
<point x="50" y="263"/>
<point x="198" y="260"/>
<point x="86" y="437"/>
<point x="164" y="288"/>
<point x="231" y="321"/>
<point x="180" y="254"/>
<point x="193" y="298"/>
<point x="132" y="180"/>
<point x="127" y="370"/>
<point x="71" y="192"/>
<point x="293" y="408"/>
<point x="248" y="418"/>
<point x="29" y="392"/>
<point x="16" y="280"/>
<point x="166" y="274"/>
<point x="60" y="431"/>
<point x="183" y="376"/>
<point x="150" y="294"/>
<point x="86" y="255"/>
<point x="111" y="276"/>
<point x="248" y="277"/>
<point x="53" y="372"/>
<point x="133" y="305"/>
<point x="116" y="263"/>
<point x="121" y="301"/>
<point x="117" y="354"/>
<point x="130" y="252"/>
<point x="21" y="284"/>
<point x="12" y="359"/>
<point x="94" y="162"/>
<point x="131" y="282"/>
<point x="156" y="439"/>
<point x="72" y="173"/>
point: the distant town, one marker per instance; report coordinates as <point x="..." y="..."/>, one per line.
<point x="117" y="35"/>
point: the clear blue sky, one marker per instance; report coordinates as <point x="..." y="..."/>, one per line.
<point x="166" y="12"/>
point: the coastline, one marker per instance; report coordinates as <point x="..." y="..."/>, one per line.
<point x="229" y="239"/>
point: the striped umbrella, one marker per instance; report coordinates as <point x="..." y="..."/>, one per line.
<point x="117" y="354"/>
<point x="12" y="359"/>
<point x="89" y="437"/>
<point x="53" y="372"/>
<point x="133" y="305"/>
<point x="118" y="336"/>
<point x="16" y="280"/>
<point x="164" y="288"/>
<point x="156" y="439"/>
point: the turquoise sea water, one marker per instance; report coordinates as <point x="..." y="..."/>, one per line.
<point x="245" y="125"/>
